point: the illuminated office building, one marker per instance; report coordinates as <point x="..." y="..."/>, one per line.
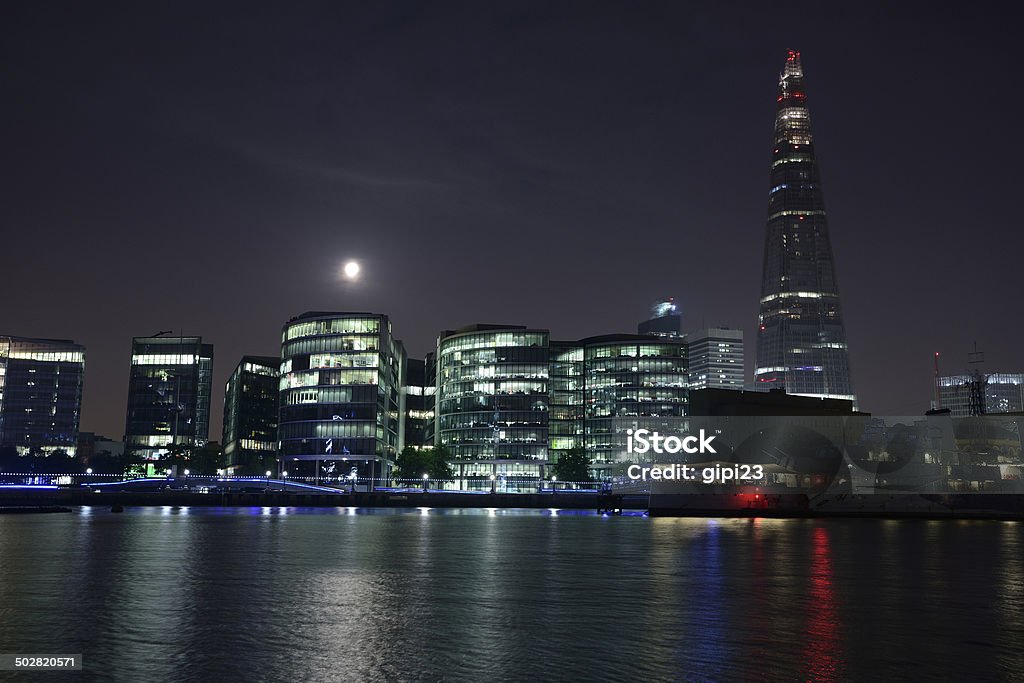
<point x="340" y="395"/>
<point x="982" y="394"/>
<point x="250" y="415"/>
<point x="40" y="395"/>
<point x="716" y="358"/>
<point x="566" y="425"/>
<point x="510" y="401"/>
<point x="801" y="341"/>
<point x="168" y="395"/>
<point x="492" y="403"/>
<point x="630" y="382"/>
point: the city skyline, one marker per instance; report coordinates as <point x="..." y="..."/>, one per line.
<point x="458" y="340"/>
<point x="176" y="208"/>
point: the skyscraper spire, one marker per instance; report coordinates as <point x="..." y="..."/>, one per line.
<point x="792" y="69"/>
<point x="801" y="340"/>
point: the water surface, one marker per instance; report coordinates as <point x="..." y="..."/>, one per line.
<point x="267" y="594"/>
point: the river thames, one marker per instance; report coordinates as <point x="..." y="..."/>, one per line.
<point x="268" y="594"/>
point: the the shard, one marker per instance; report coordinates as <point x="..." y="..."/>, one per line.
<point x="801" y="340"/>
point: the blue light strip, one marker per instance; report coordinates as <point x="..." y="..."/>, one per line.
<point x="302" y="486"/>
<point x="29" y="486"/>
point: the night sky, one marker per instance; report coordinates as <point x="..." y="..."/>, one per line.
<point x="208" y="167"/>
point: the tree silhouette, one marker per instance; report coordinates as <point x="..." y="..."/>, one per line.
<point x="573" y="465"/>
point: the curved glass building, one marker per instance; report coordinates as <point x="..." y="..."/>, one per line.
<point x="340" y="400"/>
<point x="631" y="382"/>
<point x="492" y="404"/>
<point x="510" y="401"/>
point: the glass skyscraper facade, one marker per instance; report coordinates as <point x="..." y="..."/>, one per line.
<point x="250" y="415"/>
<point x="169" y="387"/>
<point x="566" y="426"/>
<point x="40" y="395"/>
<point x="510" y="401"/>
<point x="340" y="394"/>
<point x="801" y="341"/>
<point x="630" y="382"/>
<point x="492" y="403"/>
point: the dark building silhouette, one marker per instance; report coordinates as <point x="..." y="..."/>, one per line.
<point x="168" y="395"/>
<point x="40" y="395"/>
<point x="801" y="341"/>
<point x="418" y="410"/>
<point x="250" y="415"/>
<point x="774" y="403"/>
<point x="94" y="447"/>
<point x="665" y="320"/>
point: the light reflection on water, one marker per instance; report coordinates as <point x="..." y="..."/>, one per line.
<point x="275" y="593"/>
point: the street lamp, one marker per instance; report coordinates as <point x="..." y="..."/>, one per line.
<point x="493" y="482"/>
<point x="186" y="473"/>
<point x="426" y="478"/>
<point x="554" y="480"/>
<point x="284" y="480"/>
<point x="88" y="470"/>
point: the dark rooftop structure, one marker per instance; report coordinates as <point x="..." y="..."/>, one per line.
<point x="715" y="402"/>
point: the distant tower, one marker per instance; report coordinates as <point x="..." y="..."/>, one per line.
<point x="665" y="320"/>
<point x="716" y="358"/>
<point x="801" y="341"/>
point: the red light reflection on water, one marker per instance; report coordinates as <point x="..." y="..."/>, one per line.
<point x="821" y="649"/>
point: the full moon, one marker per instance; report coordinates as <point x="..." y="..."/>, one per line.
<point x="351" y="270"/>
